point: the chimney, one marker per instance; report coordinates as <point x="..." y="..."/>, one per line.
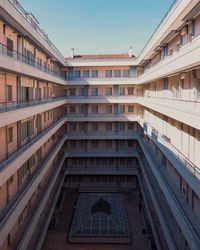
<point x="130" y="52"/>
<point x="72" y="52"/>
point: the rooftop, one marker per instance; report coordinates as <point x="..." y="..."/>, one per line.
<point x="101" y="56"/>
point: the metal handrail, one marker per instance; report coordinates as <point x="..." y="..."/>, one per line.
<point x="35" y="26"/>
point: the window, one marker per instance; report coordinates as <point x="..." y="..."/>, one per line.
<point x="10" y="134"/>
<point x="94" y="126"/>
<point x="72" y="144"/>
<point x="108" y="126"/>
<point x="130" y="144"/>
<point x="94" y="73"/>
<point x="108" y="109"/>
<point x="122" y="91"/>
<point x="72" y="109"/>
<point x="126" y="73"/>
<point x="130" y="126"/>
<point x="81" y="109"/>
<point x="94" y="92"/>
<point x="80" y="161"/>
<point x="108" y="144"/>
<point x="81" y="126"/>
<point x="130" y="90"/>
<point x="77" y="74"/>
<point x="45" y="117"/>
<point x="108" y="73"/>
<point x="117" y="73"/>
<point x="72" y="126"/>
<point x="121" y="144"/>
<point x="4" y="29"/>
<point x="94" y="109"/>
<point x="44" y="92"/>
<point x="94" y="144"/>
<point x="72" y="91"/>
<point x="11" y="180"/>
<point x="121" y="126"/>
<point x="86" y="73"/>
<point x="122" y="109"/>
<point x="130" y="108"/>
<point x="74" y="161"/>
<point x="108" y="91"/>
<point x="81" y="91"/>
<point x="9" y="93"/>
<point x="81" y="144"/>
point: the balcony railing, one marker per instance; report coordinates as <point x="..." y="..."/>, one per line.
<point x="99" y="78"/>
<point x="187" y="163"/>
<point x="13" y="105"/>
<point x="4" y="50"/>
<point x="23" y="148"/>
<point x="35" y="26"/>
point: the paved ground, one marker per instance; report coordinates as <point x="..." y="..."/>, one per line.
<point x="57" y="239"/>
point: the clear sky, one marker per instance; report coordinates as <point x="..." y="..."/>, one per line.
<point x="98" y="26"/>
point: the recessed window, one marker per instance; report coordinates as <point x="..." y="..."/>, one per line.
<point x="81" y="91"/>
<point x="109" y="91"/>
<point x="108" y="109"/>
<point x="94" y="92"/>
<point x="130" y="126"/>
<point x="86" y="73"/>
<point x="108" y="126"/>
<point x="122" y="109"/>
<point x="108" y="144"/>
<point x="72" y="91"/>
<point x="81" y="144"/>
<point x="94" y="73"/>
<point x="77" y="74"/>
<point x="122" y="91"/>
<point x="94" y="126"/>
<point x="130" y="108"/>
<point x="122" y="126"/>
<point x="126" y="73"/>
<point x="72" y="109"/>
<point x="94" y="109"/>
<point x="9" y="93"/>
<point x="10" y="135"/>
<point x="72" y="126"/>
<point x="72" y="144"/>
<point x="81" y="126"/>
<point x="130" y="90"/>
<point x="117" y="73"/>
<point x="108" y="73"/>
<point x="130" y="144"/>
<point x="94" y="144"/>
<point x="81" y="109"/>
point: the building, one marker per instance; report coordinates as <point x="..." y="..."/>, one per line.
<point x="100" y="123"/>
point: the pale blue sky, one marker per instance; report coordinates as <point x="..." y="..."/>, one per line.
<point x="98" y="26"/>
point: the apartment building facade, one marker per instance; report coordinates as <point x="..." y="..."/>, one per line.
<point x="93" y="121"/>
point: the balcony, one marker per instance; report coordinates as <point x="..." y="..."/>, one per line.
<point x="185" y="111"/>
<point x="14" y="62"/>
<point x="101" y="81"/>
<point x="180" y="60"/>
<point x="10" y="165"/>
<point x="14" y="14"/>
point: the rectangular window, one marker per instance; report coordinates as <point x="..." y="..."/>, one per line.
<point x="77" y="74"/>
<point x="109" y="91"/>
<point x="117" y="73"/>
<point x="72" y="109"/>
<point x="72" y="91"/>
<point x="121" y="144"/>
<point x="80" y="161"/>
<point x="72" y="126"/>
<point x="94" y="92"/>
<point x="45" y="117"/>
<point x="108" y="126"/>
<point x="108" y="109"/>
<point x="94" y="73"/>
<point x="130" y="144"/>
<point x="130" y="126"/>
<point x="130" y="108"/>
<point x="10" y="135"/>
<point x="126" y="73"/>
<point x="81" y="144"/>
<point x="86" y="73"/>
<point x="81" y="109"/>
<point x="130" y="90"/>
<point x="81" y="126"/>
<point x="81" y="91"/>
<point x="94" y="109"/>
<point x="108" y="144"/>
<point x="122" y="109"/>
<point x="72" y="144"/>
<point x="9" y="93"/>
<point x="44" y="92"/>
<point x="94" y="126"/>
<point x="122" y="126"/>
<point x="94" y="144"/>
<point x="122" y="91"/>
<point x="108" y="73"/>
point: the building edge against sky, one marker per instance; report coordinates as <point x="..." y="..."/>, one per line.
<point x="93" y="121"/>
